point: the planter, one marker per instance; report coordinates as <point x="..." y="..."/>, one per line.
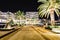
<point x="56" y="30"/>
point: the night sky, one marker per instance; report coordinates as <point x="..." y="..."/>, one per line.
<point x="15" y="5"/>
<point x="23" y="5"/>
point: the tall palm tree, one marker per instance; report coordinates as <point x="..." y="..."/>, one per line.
<point x="20" y="15"/>
<point x="48" y="7"/>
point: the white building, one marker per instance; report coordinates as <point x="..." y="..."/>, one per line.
<point x="32" y="18"/>
<point x="4" y="16"/>
<point x="32" y="15"/>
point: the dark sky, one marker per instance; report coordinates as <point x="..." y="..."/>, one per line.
<point x="15" y="5"/>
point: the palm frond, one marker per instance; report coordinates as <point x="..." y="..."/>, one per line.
<point x="43" y="6"/>
<point x="43" y="12"/>
<point x="19" y="14"/>
<point x="57" y="12"/>
<point x="48" y="14"/>
<point x="43" y="1"/>
<point x="57" y="6"/>
<point x="43" y="9"/>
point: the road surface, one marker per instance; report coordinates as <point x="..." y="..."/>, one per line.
<point x="34" y="33"/>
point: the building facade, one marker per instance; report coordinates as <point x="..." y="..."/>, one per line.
<point x="32" y="18"/>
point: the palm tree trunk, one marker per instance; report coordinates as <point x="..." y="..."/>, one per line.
<point x="6" y="25"/>
<point x="52" y="18"/>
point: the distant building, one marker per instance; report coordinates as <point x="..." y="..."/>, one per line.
<point x="32" y="15"/>
<point x="32" y="18"/>
<point x="4" y="16"/>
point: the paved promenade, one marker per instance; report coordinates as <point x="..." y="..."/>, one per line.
<point x="34" y="33"/>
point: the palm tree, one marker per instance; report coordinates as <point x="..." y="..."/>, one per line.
<point x="8" y="21"/>
<point x="20" y="15"/>
<point x="48" y="7"/>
